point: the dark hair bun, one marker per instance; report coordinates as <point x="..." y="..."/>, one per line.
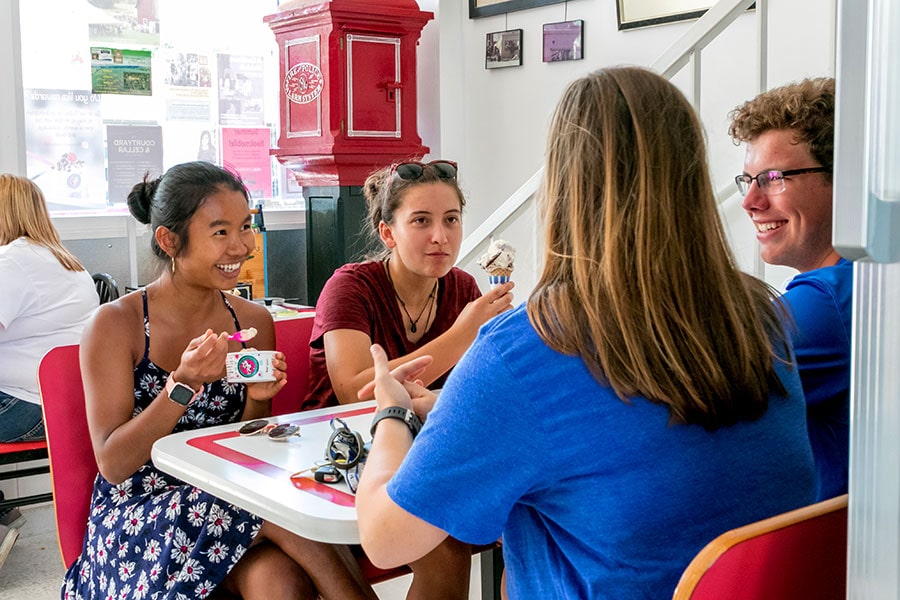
<point x="140" y="197"/>
<point x="374" y="182"/>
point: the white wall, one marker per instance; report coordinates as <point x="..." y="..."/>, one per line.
<point x="494" y="122"/>
<point x="12" y="126"/>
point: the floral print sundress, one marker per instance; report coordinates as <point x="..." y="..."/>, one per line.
<point x="154" y="536"/>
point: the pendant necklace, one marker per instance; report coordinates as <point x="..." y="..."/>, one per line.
<point x="412" y="322"/>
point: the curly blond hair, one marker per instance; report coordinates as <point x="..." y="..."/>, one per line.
<point x="806" y="106"/>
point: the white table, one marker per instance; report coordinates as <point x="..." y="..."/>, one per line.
<point x="254" y="472"/>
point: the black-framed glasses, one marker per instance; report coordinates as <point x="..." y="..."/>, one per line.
<point x="771" y="181"/>
<point x="411" y="171"/>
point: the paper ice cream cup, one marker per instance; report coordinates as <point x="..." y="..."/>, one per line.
<point x="496" y="280"/>
<point x="250" y="366"/>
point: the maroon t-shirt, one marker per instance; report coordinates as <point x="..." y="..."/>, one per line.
<point x="359" y="296"/>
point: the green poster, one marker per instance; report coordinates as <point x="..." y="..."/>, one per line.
<point x="117" y="71"/>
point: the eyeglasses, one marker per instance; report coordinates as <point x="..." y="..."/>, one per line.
<point x="411" y="171"/>
<point x="346" y="451"/>
<point x="771" y="182"/>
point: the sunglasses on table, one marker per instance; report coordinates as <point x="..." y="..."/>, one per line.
<point x="279" y="433"/>
<point x="771" y="181"/>
<point x="411" y="171"/>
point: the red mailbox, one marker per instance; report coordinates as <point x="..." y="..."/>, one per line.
<point x="348" y="87"/>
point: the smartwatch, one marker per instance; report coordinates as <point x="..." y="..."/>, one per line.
<point x="180" y="393"/>
<point x="401" y="413"/>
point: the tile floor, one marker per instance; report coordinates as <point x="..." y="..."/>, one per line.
<point x="34" y="568"/>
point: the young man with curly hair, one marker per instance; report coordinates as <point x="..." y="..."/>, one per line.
<point x="787" y="189"/>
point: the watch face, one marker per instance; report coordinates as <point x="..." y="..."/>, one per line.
<point x="181" y="394"/>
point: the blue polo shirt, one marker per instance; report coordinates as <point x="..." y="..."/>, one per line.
<point x="821" y="304"/>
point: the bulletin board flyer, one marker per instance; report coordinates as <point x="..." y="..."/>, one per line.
<point x="65" y="147"/>
<point x="132" y="152"/>
<point x="118" y="71"/>
<point x="245" y="151"/>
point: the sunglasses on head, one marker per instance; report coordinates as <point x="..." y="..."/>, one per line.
<point x="411" y="171"/>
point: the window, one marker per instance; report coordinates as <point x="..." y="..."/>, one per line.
<point x="117" y="88"/>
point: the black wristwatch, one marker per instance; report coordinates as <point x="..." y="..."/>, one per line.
<point x="180" y="393"/>
<point x="398" y="412"/>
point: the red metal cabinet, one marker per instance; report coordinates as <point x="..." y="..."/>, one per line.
<point x="348" y="78"/>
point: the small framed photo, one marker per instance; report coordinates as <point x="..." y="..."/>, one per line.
<point x="503" y="49"/>
<point x="563" y="41"/>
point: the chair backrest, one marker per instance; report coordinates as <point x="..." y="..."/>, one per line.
<point x="799" y="554"/>
<point x="107" y="288"/>
<point x="292" y="337"/>
<point x="73" y="467"/>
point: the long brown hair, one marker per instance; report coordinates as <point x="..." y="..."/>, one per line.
<point x="23" y="213"/>
<point x="638" y="278"/>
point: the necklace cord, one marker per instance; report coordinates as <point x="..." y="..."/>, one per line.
<point x="413" y="323"/>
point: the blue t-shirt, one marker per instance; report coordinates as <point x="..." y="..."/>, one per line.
<point x="821" y="304"/>
<point x="594" y="497"/>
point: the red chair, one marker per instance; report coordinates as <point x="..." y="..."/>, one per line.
<point x="799" y="554"/>
<point x="292" y="337"/>
<point x="72" y="463"/>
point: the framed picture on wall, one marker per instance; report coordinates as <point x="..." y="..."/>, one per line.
<point x="503" y="49"/>
<point x="563" y="41"/>
<point x="487" y="8"/>
<point x="644" y="13"/>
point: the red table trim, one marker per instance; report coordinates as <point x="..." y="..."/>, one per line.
<point x="210" y="444"/>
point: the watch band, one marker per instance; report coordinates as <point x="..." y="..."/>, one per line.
<point x="181" y="394"/>
<point x="400" y="413"/>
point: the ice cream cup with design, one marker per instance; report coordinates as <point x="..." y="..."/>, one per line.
<point x="250" y="366"/>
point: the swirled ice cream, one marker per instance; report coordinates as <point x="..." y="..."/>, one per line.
<point x="498" y="261"/>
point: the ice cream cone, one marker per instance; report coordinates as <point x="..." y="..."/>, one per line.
<point x="498" y="262"/>
<point x="499" y="277"/>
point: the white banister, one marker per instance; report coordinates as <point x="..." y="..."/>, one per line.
<point x="705" y="30"/>
<point x="762" y="35"/>
<point x="695" y="63"/>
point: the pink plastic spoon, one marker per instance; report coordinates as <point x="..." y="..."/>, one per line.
<point x="244" y="335"/>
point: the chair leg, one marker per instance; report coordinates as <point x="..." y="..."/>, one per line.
<point x="491" y="573"/>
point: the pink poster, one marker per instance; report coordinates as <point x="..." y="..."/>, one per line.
<point x="245" y="151"/>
